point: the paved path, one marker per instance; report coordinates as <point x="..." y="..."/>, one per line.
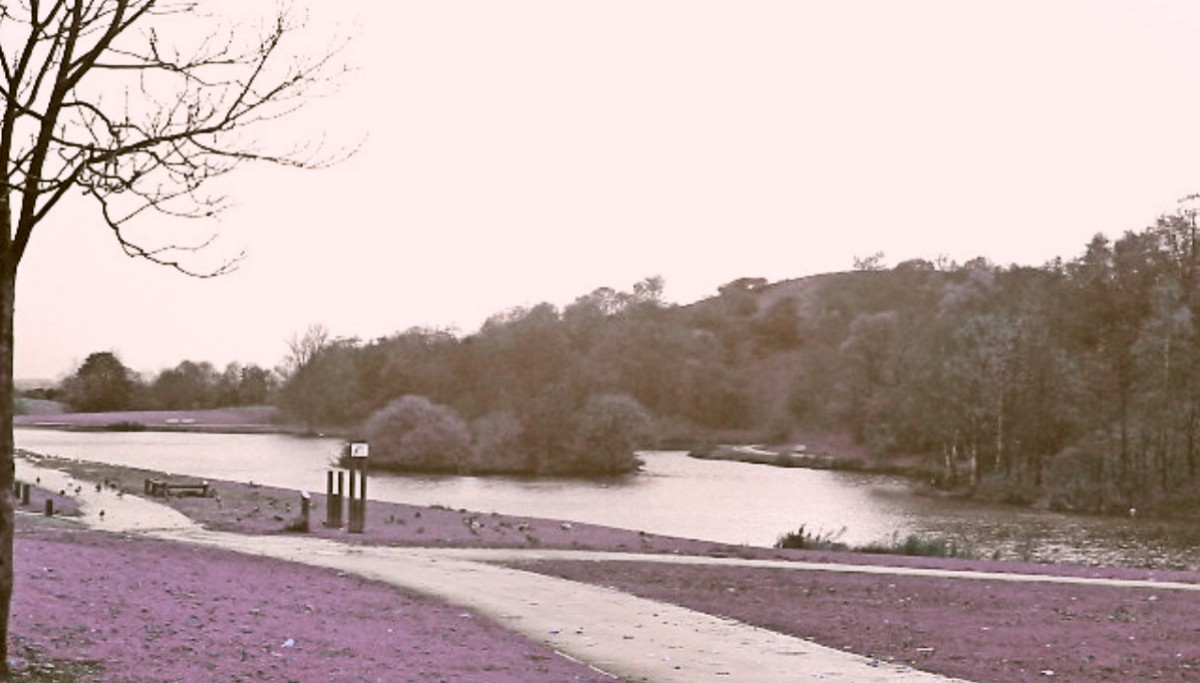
<point x="629" y="637"/>
<point x="533" y="555"/>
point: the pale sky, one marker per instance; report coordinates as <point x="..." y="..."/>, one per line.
<point x="520" y="152"/>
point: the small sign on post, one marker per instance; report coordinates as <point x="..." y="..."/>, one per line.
<point x="358" y="503"/>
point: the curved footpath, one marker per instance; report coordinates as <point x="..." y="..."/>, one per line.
<point x="631" y="638"/>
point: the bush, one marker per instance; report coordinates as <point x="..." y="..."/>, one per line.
<point x="124" y="426"/>
<point x="413" y="433"/>
<point x="914" y="545"/>
<point x="607" y="431"/>
<point x="803" y="539"/>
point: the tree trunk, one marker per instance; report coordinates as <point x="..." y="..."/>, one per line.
<point x="973" y="465"/>
<point x="1190" y="431"/>
<point x="8" y="281"/>
<point x="949" y="470"/>
<point x="1000" y="457"/>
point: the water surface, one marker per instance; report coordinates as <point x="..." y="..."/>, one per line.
<point x="674" y="494"/>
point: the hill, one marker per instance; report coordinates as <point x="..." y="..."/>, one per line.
<point x="1074" y="386"/>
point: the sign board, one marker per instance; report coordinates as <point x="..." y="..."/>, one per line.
<point x="358" y="450"/>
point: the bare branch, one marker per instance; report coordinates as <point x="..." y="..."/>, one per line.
<point x="163" y="255"/>
<point x="190" y="113"/>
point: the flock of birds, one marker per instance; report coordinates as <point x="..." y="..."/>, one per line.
<point x="100" y="486"/>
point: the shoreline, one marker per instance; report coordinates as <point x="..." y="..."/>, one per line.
<point x="757" y="454"/>
<point x="828" y="456"/>
<point x="240" y="420"/>
<point x="189" y="429"/>
<point x="251" y="508"/>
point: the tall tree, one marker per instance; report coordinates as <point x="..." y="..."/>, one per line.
<point x="303" y="348"/>
<point x="187" y="386"/>
<point x="100" y="384"/>
<point x="323" y="392"/>
<point x="137" y="106"/>
<point x="256" y="386"/>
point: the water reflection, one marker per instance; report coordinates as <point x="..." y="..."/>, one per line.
<point x="676" y="495"/>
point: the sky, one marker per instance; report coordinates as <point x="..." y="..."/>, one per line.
<point x="509" y="153"/>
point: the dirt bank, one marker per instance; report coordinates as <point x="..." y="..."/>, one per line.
<point x="978" y="630"/>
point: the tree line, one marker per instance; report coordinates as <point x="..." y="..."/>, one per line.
<point x="102" y="383"/>
<point x="1073" y="385"/>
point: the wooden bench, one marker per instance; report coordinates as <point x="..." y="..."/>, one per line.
<point x="164" y="489"/>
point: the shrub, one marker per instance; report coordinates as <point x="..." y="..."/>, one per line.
<point x="803" y="539"/>
<point x="915" y="545"/>
<point x="413" y="433"/>
<point x="607" y="431"/>
<point x="124" y="426"/>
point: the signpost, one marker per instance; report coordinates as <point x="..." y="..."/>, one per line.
<point x="357" y="519"/>
<point x="358" y="505"/>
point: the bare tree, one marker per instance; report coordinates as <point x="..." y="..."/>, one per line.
<point x="302" y="349"/>
<point x="131" y="105"/>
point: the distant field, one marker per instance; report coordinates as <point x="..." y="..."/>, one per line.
<point x="242" y="418"/>
<point x="40" y="406"/>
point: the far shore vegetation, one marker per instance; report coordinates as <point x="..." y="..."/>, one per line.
<point x="1072" y="386"/>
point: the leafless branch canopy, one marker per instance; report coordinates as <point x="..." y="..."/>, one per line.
<point x="96" y="98"/>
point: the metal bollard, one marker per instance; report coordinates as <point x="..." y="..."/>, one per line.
<point x="305" y="507"/>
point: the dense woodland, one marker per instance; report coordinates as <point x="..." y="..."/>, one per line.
<point x="1074" y="385"/>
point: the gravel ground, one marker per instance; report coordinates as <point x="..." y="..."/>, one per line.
<point x="161" y="595"/>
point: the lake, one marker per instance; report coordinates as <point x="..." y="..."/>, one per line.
<point x="727" y="502"/>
